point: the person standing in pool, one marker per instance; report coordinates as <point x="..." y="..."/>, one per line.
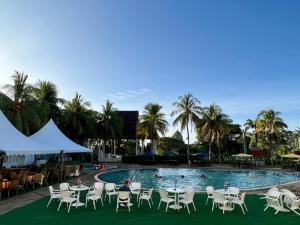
<point x="157" y="176"/>
<point x="203" y="176"/>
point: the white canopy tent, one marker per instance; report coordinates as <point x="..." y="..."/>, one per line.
<point x="19" y="147"/>
<point x="51" y="135"/>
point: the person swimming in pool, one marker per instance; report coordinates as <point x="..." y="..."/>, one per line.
<point x="158" y="176"/>
<point x="203" y="176"/>
<point x="182" y="176"/>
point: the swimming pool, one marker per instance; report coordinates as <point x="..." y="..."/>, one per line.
<point x="244" y="179"/>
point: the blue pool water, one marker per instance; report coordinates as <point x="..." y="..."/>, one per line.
<point x="243" y="179"/>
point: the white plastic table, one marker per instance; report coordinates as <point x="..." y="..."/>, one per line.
<point x="226" y="192"/>
<point x="175" y="191"/>
<point x="78" y="189"/>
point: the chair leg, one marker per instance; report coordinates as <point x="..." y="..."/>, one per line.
<point x="69" y="207"/>
<point x="94" y="204"/>
<point x="117" y="207"/>
<point x="245" y="207"/>
<point x="149" y="204"/>
<point x="188" y="209"/>
<point x="266" y="208"/>
<point x="49" y="202"/>
<point x="159" y="205"/>
<point x="213" y="205"/>
<point x="194" y="206"/>
<point x="206" y="201"/>
<point x="242" y="209"/>
<point x="295" y="212"/>
<point x="86" y="200"/>
<point x="59" y="206"/>
<point x="101" y="201"/>
<point x="167" y="206"/>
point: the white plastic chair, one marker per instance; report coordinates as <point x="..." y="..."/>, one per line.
<point x="135" y="188"/>
<point x="54" y="194"/>
<point x="64" y="186"/>
<point x="274" y="201"/>
<point x="209" y="191"/>
<point x="110" y="190"/>
<point x="219" y="200"/>
<point x="94" y="195"/>
<point x="269" y="191"/>
<point x="188" y="199"/>
<point x="234" y="191"/>
<point x="123" y="200"/>
<point x="98" y="185"/>
<point x="164" y="197"/>
<point x="187" y="189"/>
<point x="146" y="195"/>
<point x="291" y="201"/>
<point x="67" y="197"/>
<point x="240" y="200"/>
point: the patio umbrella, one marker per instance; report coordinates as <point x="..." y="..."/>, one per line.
<point x="242" y="155"/>
<point x="291" y="156"/>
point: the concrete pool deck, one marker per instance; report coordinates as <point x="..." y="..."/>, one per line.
<point x="9" y="204"/>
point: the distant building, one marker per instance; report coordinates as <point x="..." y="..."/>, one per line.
<point x="130" y="121"/>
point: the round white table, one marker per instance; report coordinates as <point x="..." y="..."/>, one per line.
<point x="78" y="189"/>
<point x="175" y="191"/>
<point x="226" y="192"/>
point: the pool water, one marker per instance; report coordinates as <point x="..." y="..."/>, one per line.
<point x="243" y="179"/>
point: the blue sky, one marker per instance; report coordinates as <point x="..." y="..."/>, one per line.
<point x="243" y="55"/>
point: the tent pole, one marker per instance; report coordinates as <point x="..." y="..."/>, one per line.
<point x="62" y="165"/>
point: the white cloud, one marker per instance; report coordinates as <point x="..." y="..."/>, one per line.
<point x="129" y="94"/>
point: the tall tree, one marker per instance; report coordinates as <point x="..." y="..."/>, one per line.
<point x="187" y="111"/>
<point x="152" y="123"/>
<point x="271" y="129"/>
<point x="45" y="93"/>
<point x="21" y="112"/>
<point x="111" y="123"/>
<point x="213" y="125"/>
<point x="249" y="124"/>
<point x="76" y="118"/>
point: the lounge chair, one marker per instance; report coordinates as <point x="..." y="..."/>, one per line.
<point x="164" y="197"/>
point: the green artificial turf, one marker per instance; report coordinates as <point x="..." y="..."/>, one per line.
<point x="36" y="213"/>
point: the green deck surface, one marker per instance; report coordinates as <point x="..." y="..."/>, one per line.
<point x="36" y="213"/>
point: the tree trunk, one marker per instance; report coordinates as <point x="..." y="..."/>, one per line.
<point x="209" y="151"/>
<point x="188" y="139"/>
<point x="111" y="147"/>
<point x="245" y="143"/>
<point x="219" y="149"/>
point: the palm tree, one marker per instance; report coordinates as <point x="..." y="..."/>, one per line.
<point x="21" y="112"/>
<point x="213" y="125"/>
<point x="152" y="123"/>
<point x="271" y="127"/>
<point x="76" y="118"/>
<point x="187" y="111"/>
<point x="45" y="93"/>
<point x="111" y="122"/>
<point x="249" y="124"/>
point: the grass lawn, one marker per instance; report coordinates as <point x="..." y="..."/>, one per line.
<point x="37" y="214"/>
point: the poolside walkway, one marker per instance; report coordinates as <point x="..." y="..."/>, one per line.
<point x="21" y="200"/>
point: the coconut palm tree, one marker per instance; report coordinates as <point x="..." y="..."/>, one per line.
<point x="187" y="111"/>
<point x="45" y="93"/>
<point x="271" y="128"/>
<point x="111" y="123"/>
<point x="213" y="125"/>
<point x="249" y="124"/>
<point x="152" y="123"/>
<point x="21" y="112"/>
<point x="76" y="118"/>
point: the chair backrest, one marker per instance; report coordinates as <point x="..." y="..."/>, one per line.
<point x="123" y="195"/>
<point x="51" y="190"/>
<point x="189" y="189"/>
<point x="272" y="189"/>
<point x="218" y="197"/>
<point x="98" y="185"/>
<point x="150" y="191"/>
<point x="64" y="186"/>
<point x="135" y="186"/>
<point x="234" y="190"/>
<point x="189" y="196"/>
<point x="110" y="186"/>
<point x="98" y="192"/>
<point x="163" y="193"/>
<point x="209" y="189"/>
<point x="65" y="194"/>
<point x="242" y="197"/>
